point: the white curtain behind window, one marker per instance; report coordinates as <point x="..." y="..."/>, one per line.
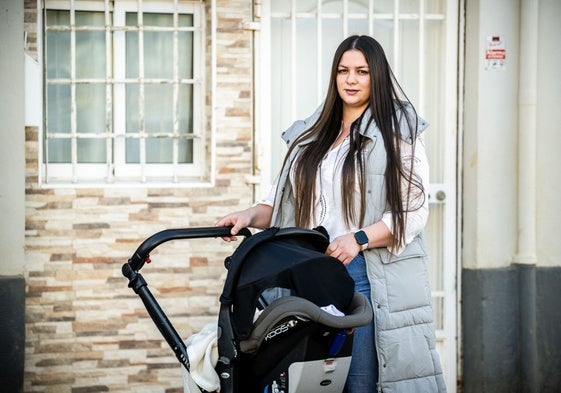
<point x="158" y="104"/>
<point x="90" y="63"/>
<point x="86" y="88"/>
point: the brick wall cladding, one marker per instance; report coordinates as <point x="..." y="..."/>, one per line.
<point x="86" y="331"/>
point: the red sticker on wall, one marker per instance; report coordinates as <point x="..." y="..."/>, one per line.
<point x="495" y="53"/>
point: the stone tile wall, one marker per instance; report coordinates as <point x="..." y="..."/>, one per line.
<point x="86" y="331"/>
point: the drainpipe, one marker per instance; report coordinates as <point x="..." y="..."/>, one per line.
<point x="254" y="26"/>
<point x="213" y="74"/>
<point x="526" y="253"/>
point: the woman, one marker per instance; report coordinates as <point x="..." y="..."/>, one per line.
<point x="358" y="168"/>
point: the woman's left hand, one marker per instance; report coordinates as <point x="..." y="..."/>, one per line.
<point x="344" y="248"/>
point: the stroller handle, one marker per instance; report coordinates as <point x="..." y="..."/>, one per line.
<point x="140" y="256"/>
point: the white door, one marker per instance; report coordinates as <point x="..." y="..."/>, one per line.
<point x="295" y="42"/>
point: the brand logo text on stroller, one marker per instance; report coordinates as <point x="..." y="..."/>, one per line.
<point x="280" y="329"/>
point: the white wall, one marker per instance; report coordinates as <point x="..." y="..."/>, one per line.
<point x="549" y="135"/>
<point x="490" y="137"/>
<point x="491" y="176"/>
<point x="12" y="138"/>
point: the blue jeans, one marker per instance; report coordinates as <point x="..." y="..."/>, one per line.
<point x="363" y="374"/>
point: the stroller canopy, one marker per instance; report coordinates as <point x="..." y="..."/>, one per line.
<point x="287" y="258"/>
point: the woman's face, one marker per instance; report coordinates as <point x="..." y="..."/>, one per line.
<point x="353" y="79"/>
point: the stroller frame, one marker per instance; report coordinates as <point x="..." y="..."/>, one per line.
<point x="139" y="285"/>
<point x="228" y="352"/>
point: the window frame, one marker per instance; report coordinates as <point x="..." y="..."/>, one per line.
<point x="115" y="170"/>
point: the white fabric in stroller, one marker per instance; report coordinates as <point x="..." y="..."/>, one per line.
<point x="203" y="354"/>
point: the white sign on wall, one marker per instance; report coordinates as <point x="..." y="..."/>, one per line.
<point x="495" y="53"/>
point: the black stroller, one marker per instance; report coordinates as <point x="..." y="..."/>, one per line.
<point x="273" y="336"/>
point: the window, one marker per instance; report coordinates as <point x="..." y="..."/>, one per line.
<point x="124" y="94"/>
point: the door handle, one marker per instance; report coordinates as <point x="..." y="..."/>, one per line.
<point x="440" y="195"/>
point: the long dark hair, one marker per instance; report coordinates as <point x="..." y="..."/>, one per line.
<point x="387" y="100"/>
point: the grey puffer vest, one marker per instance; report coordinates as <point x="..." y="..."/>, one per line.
<point x="400" y="292"/>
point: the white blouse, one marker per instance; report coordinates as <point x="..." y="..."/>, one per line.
<point x="328" y="202"/>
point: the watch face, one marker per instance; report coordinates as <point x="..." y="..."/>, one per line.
<point x="361" y="237"/>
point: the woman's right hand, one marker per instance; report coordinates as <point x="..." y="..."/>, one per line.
<point x="237" y="221"/>
<point x="258" y="216"/>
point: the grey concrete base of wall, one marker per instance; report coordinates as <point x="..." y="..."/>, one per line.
<point x="511" y="330"/>
<point x="12" y="333"/>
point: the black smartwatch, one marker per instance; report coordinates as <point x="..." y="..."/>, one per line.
<point x="361" y="239"/>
